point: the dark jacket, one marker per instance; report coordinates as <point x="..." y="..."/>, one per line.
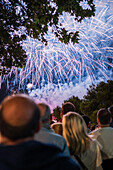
<point x="34" y="155"/>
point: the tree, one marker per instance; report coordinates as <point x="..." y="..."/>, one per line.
<point x="56" y="112"/>
<point x="100" y="96"/>
<point x="3" y="91"/>
<point x="75" y="100"/>
<point x="97" y="97"/>
<point x="22" y="18"/>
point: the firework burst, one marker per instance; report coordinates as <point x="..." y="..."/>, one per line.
<point x="58" y="63"/>
<point x="58" y="69"/>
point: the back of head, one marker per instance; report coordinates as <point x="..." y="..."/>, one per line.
<point x="67" y="107"/>
<point x="19" y="117"/>
<point x="44" y="112"/>
<point x="104" y="116"/>
<point x="57" y="127"/>
<point x="75" y="132"/>
<point x="86" y="119"/>
<point x="110" y="109"/>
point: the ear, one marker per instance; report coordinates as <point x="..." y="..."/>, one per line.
<point x="61" y="114"/>
<point x="98" y="120"/>
<point x="110" y="119"/>
<point x="38" y="127"/>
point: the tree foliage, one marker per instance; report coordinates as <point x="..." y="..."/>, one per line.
<point x="75" y="100"/>
<point x="19" y="18"/>
<point x="97" y="97"/>
<point x="56" y="112"/>
<point x="100" y="96"/>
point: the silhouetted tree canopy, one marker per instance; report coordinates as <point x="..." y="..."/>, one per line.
<point x="97" y="97"/>
<point x="100" y="96"/>
<point x="75" y="100"/>
<point x="56" y="112"/>
<point x="19" y="18"/>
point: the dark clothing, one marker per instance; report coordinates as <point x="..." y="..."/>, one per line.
<point x="34" y="155"/>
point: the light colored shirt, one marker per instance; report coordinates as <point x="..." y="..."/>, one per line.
<point x="91" y="158"/>
<point x="47" y="135"/>
<point x="105" y="137"/>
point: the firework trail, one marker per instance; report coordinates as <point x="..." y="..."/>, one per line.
<point x="60" y="63"/>
<point x="60" y="70"/>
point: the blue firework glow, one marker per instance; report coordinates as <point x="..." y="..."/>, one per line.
<point x="60" y="63"/>
<point x="60" y="70"/>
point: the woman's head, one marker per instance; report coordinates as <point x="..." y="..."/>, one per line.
<point x="75" y="132"/>
<point x="57" y="127"/>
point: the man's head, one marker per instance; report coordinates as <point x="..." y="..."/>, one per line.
<point x="103" y="117"/>
<point x="44" y="112"/>
<point x="19" y="117"/>
<point x="67" y="107"/>
<point x="87" y="120"/>
<point x="110" y="109"/>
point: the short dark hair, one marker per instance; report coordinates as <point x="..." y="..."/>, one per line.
<point x="104" y="116"/>
<point x="110" y="109"/>
<point x="86" y="119"/>
<point x="13" y="132"/>
<point x="67" y="107"/>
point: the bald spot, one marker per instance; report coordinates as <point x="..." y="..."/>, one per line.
<point x="18" y="110"/>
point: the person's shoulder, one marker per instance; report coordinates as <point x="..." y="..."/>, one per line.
<point x="95" y="131"/>
<point x="109" y="128"/>
<point x="68" y="164"/>
<point x="101" y="132"/>
<point x="106" y="130"/>
<point x="63" y="161"/>
<point x="44" y="145"/>
<point x="57" y="135"/>
<point x="44" y="155"/>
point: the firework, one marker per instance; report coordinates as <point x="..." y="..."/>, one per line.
<point x="58" y="63"/>
<point x="58" y="69"/>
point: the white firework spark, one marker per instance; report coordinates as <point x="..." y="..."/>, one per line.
<point x="58" y="63"/>
<point x="63" y="70"/>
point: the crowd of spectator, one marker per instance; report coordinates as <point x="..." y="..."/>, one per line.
<point x="30" y="140"/>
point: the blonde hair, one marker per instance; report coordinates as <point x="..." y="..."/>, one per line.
<point x="75" y="133"/>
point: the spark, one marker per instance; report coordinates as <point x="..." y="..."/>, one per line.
<point x="57" y="66"/>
